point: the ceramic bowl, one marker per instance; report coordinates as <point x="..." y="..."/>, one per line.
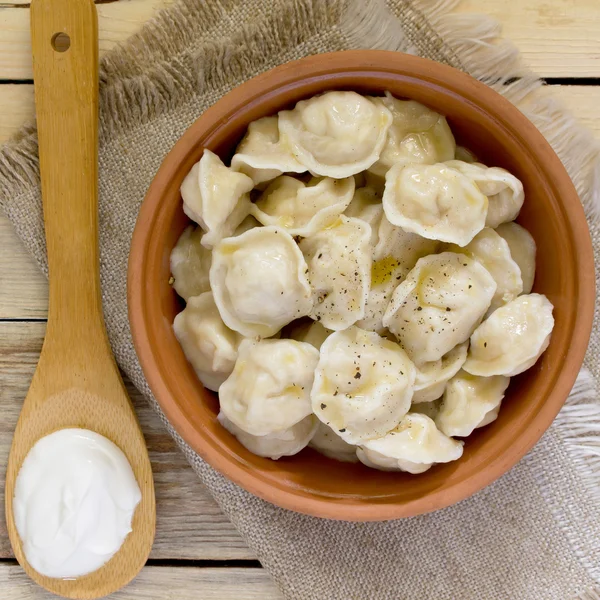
<point x="499" y="135"/>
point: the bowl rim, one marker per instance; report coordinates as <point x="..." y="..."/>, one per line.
<point x="476" y="92"/>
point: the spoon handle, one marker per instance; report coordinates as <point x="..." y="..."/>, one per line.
<point x="64" y="35"/>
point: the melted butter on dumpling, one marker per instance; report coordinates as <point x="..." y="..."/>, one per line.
<point x="439" y="304"/>
<point x="363" y="384"/>
<point x="417" y="135"/>
<point x="215" y="197"/>
<point x="414" y="445"/>
<point x="336" y="134"/>
<point x="303" y="208"/>
<point x="339" y="271"/>
<point x="512" y="338"/>
<point x="394" y="255"/>
<point x="259" y="280"/>
<point x="434" y="201"/>
<point x="269" y="388"/>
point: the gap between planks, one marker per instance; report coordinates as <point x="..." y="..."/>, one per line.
<point x="162" y="583"/>
<point x="556" y="37"/>
<point x="190" y="526"/>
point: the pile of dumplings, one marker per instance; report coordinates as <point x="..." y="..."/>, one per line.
<point x="356" y="283"/>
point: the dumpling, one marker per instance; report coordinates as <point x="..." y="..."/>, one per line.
<point x="470" y="402"/>
<point x="439" y="304"/>
<point x="363" y="384"/>
<point x="417" y="135"/>
<point x="248" y="223"/>
<point x="330" y="444"/>
<point x="190" y="264"/>
<point x="512" y="338"/>
<point x="275" y="445"/>
<point x="261" y="155"/>
<point x="492" y="251"/>
<point x="259" y="280"/>
<point x="434" y="201"/>
<point x="312" y="333"/>
<point x="432" y="376"/>
<point x="336" y="134"/>
<point x="464" y="155"/>
<point x="302" y="209"/>
<point x="366" y="206"/>
<point x="504" y="191"/>
<point x="394" y="255"/>
<point x="339" y="271"/>
<point x="215" y="197"/>
<point x="414" y="445"/>
<point x="522" y="249"/>
<point x="208" y="344"/>
<point x="269" y="388"/>
<point x="429" y="409"/>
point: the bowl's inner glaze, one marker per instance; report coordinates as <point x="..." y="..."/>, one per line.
<point x="495" y="142"/>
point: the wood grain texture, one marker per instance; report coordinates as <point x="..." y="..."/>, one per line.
<point x="189" y="523"/>
<point x="162" y="583"/>
<point x="116" y="22"/>
<point x="557" y="38"/>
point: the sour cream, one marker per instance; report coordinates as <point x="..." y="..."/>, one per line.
<point x="75" y="496"/>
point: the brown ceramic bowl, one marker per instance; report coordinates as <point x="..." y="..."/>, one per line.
<point x="499" y="135"/>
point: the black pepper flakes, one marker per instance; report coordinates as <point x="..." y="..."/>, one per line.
<point x="358" y="375"/>
<point x="342" y="430"/>
<point x="323" y="406"/>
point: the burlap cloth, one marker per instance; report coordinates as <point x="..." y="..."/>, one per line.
<point x="532" y="535"/>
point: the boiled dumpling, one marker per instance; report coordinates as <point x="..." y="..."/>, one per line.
<point x="208" y="344"/>
<point x="302" y="209"/>
<point x="429" y="409"/>
<point x="504" y="191"/>
<point x="259" y="280"/>
<point x="190" y="264"/>
<point x="330" y="444"/>
<point x="417" y="135"/>
<point x="434" y="201"/>
<point x="512" y="338"/>
<point x="248" y="223"/>
<point x="363" y="384"/>
<point x="492" y="251"/>
<point x="275" y="445"/>
<point x="522" y="249"/>
<point x="432" y="376"/>
<point x="336" y="134"/>
<point x="262" y="155"/>
<point x="339" y="270"/>
<point x="312" y="333"/>
<point x="414" y="445"/>
<point x="470" y="402"/>
<point x="366" y="206"/>
<point x="269" y="388"/>
<point x="215" y="197"/>
<point x="394" y="255"/>
<point x="439" y="304"/>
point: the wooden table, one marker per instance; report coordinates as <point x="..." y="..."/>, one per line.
<point x="198" y="553"/>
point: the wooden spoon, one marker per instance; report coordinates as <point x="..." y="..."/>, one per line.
<point x="77" y="382"/>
